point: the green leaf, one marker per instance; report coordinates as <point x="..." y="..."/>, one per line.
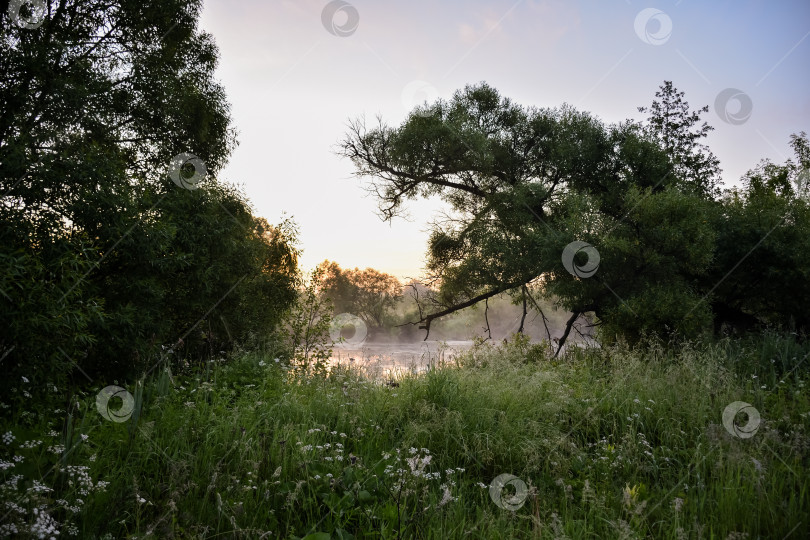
<point x="318" y="536"/>
<point x="343" y="535"/>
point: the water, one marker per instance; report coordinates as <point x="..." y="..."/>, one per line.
<point x="386" y="360"/>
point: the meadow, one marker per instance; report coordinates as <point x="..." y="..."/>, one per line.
<point x="616" y="442"/>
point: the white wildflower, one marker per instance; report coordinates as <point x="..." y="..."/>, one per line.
<point x="446" y="496"/>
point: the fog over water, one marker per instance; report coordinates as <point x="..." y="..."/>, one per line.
<point x="386" y="359"/>
<point x="383" y="353"/>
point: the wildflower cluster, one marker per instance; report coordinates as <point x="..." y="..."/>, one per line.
<point x="43" y="506"/>
<point x="408" y="474"/>
<point x="328" y="458"/>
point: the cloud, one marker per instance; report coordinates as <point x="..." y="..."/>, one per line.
<point x="552" y="19"/>
<point x="547" y="21"/>
<point x="303" y="7"/>
<point x="487" y="25"/>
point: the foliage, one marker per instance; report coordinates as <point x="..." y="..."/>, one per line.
<point x="101" y="252"/>
<point x="609" y="442"/>
<point x="336" y="285"/>
<point x="764" y="235"/>
<point x="308" y="326"/>
<point x="523" y="183"/>
<point x="31" y="306"/>
<point x="368" y="294"/>
<point x="678" y="131"/>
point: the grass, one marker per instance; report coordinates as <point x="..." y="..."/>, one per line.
<point x="610" y="443"/>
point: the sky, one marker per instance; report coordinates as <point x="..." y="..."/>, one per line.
<point x="296" y="72"/>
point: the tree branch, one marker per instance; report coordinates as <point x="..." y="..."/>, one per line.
<point x="543" y="315"/>
<point x="425" y="321"/>
<point x="486" y="318"/>
<point x="568" y="325"/>
<point x="523" y="318"/>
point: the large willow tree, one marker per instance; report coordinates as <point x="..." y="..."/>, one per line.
<point x="522" y="183"/>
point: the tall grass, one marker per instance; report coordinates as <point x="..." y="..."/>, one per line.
<point x="610" y="443"/>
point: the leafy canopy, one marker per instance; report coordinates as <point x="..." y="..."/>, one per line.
<point x="100" y="252"/>
<point x="522" y="183"/>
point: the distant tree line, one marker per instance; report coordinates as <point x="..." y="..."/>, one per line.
<point x="369" y="294"/>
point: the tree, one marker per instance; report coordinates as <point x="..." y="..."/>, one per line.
<point x="308" y="327"/>
<point x="679" y="131"/>
<point x="760" y="273"/>
<point x="522" y="184"/>
<point x="106" y="256"/>
<point x="336" y="284"/>
<point x="377" y="294"/>
<point x="368" y="294"/>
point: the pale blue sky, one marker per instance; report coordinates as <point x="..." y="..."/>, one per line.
<point x="293" y="85"/>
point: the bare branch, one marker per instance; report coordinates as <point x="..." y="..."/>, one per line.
<point x="568" y="325"/>
<point x="425" y="321"/>
<point x="538" y="308"/>
<point x="523" y="318"/>
<point x="486" y="318"/>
